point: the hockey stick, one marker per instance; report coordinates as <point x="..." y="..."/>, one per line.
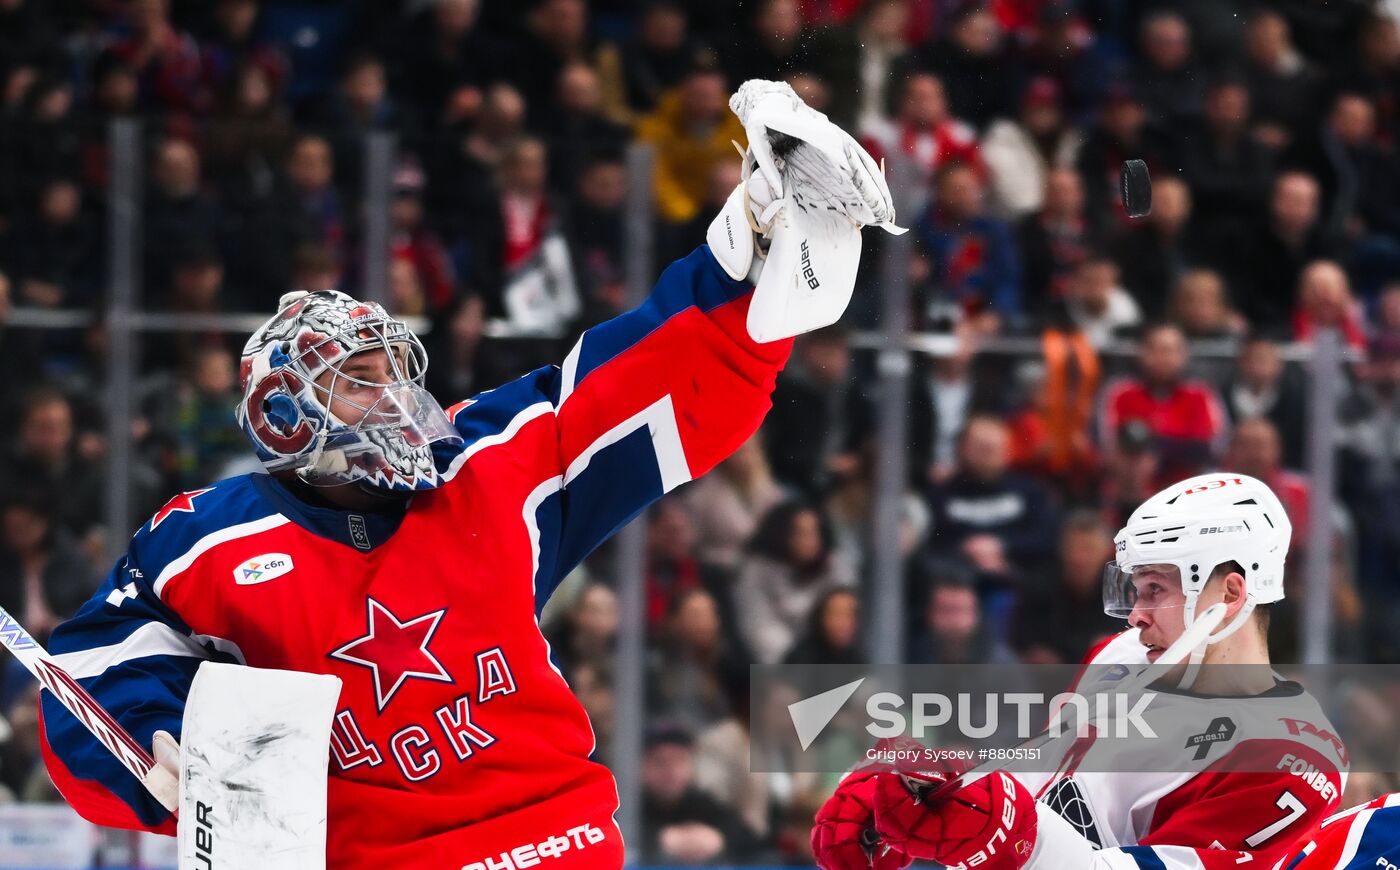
<point x="1172" y="656"/>
<point x="160" y="782"/>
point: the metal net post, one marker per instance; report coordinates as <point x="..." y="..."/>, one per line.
<point x="630" y="670"/>
<point x="1324" y="392"/>
<point x="123" y="298"/>
<point x="380" y="147"/>
<point x="892" y="421"/>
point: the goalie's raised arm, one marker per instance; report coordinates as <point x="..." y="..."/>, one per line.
<point x="642" y="404"/>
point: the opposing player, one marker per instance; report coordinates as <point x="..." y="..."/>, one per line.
<point x="408" y="550"/>
<point x="1214" y="539"/>
<point x="1361" y="838"/>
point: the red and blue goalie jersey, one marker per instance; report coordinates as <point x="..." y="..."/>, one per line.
<point x="455" y="738"/>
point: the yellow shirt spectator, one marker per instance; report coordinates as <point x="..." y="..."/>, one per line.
<point x="691" y="131"/>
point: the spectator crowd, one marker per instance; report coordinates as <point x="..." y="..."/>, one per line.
<point x="1270" y="128"/>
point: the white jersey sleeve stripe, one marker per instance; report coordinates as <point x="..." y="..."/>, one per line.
<point x="1178" y="857"/>
<point x="151" y="639"/>
<point x="1358" y="828"/>
<point x="659" y="419"/>
<point x="512" y="429"/>
<point x="208" y="542"/>
<point x="569" y="374"/>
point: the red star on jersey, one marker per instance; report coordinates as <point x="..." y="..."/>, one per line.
<point x="395" y="650"/>
<point x="184" y="503"/>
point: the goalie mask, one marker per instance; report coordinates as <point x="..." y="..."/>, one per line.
<point x="333" y="391"/>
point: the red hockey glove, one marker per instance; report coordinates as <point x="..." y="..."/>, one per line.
<point x="989" y="824"/>
<point x="844" y="836"/>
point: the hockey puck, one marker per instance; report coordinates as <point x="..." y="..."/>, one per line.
<point x="1136" y="187"/>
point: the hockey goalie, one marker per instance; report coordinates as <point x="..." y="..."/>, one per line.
<point x="407" y="550"/>
<point x="1210" y="545"/>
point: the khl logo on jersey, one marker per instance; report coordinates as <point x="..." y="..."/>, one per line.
<point x="262" y="569"/>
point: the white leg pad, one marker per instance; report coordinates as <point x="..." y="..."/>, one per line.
<point x="254" y="750"/>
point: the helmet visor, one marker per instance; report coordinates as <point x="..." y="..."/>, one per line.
<point x="390" y="445"/>
<point x="412" y="411"/>
<point x="1149" y="586"/>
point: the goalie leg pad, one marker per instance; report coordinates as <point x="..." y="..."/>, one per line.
<point x="254" y="748"/>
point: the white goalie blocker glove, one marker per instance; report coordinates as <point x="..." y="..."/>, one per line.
<point x="250" y="768"/>
<point x="793" y="225"/>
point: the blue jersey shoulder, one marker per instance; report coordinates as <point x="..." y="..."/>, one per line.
<point x="1380" y="837"/>
<point x="487" y="418"/>
<point x="188" y="518"/>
